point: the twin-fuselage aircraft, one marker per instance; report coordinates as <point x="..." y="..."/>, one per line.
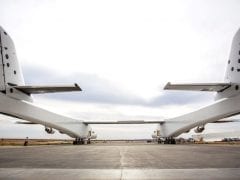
<point x="16" y="99"/>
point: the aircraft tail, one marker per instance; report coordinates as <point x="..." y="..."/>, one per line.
<point x="233" y="68"/>
<point x="232" y="75"/>
<point x="10" y="70"/>
<point x="11" y="77"/>
<point x="231" y="85"/>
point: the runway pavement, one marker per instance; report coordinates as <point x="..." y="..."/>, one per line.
<point x="120" y="161"/>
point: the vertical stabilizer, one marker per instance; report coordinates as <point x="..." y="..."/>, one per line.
<point x="11" y="74"/>
<point x="233" y="67"/>
<point x="233" y="70"/>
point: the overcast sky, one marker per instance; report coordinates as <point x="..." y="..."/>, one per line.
<point x="121" y="53"/>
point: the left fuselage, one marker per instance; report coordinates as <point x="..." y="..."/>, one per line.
<point x="30" y="112"/>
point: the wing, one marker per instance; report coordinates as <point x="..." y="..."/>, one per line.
<point x="227" y="120"/>
<point x="217" y="87"/>
<point x="25" y="122"/>
<point x="47" y="89"/>
<point x="124" y="122"/>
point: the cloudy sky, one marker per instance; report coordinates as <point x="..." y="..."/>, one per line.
<point x="121" y="53"/>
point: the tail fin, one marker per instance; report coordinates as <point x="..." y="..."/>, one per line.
<point x="10" y="71"/>
<point x="11" y="77"/>
<point x="231" y="85"/>
<point x="233" y="68"/>
<point x="232" y="75"/>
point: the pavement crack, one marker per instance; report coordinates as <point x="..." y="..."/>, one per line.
<point x="121" y="157"/>
<point x="121" y="177"/>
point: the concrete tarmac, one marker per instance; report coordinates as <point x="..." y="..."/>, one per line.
<point x="121" y="161"/>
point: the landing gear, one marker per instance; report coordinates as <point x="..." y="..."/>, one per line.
<point x="78" y="141"/>
<point x="159" y="141"/>
<point x="170" y="141"/>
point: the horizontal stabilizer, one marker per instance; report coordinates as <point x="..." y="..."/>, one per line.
<point x="214" y="87"/>
<point x="124" y="122"/>
<point x="47" y="89"/>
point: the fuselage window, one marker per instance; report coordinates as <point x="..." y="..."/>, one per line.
<point x="15" y="72"/>
<point x="6" y="55"/>
<point x="8" y="64"/>
<point x="238" y="70"/>
<point x="232" y="68"/>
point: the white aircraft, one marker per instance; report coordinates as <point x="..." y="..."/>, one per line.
<point x="16" y="100"/>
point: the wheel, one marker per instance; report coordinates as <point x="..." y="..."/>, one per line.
<point x="173" y="141"/>
<point x="167" y="141"/>
<point x="81" y="141"/>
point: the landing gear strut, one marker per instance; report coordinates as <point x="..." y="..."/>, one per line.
<point x="170" y="141"/>
<point x="159" y="141"/>
<point x="78" y="141"/>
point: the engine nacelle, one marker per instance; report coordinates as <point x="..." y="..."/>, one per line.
<point x="49" y="130"/>
<point x="156" y="134"/>
<point x="187" y="131"/>
<point x="199" y="129"/>
<point x="92" y="135"/>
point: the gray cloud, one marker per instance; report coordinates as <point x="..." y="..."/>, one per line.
<point x="99" y="90"/>
<point x="95" y="89"/>
<point x="179" y="98"/>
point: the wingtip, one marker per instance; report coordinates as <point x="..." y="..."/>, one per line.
<point x="166" y="86"/>
<point x="77" y="86"/>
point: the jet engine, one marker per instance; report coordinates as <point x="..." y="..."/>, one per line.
<point x="49" y="130"/>
<point x="156" y="134"/>
<point x="92" y="135"/>
<point x="187" y="131"/>
<point x="199" y="129"/>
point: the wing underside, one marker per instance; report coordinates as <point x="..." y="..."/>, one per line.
<point x="212" y="87"/>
